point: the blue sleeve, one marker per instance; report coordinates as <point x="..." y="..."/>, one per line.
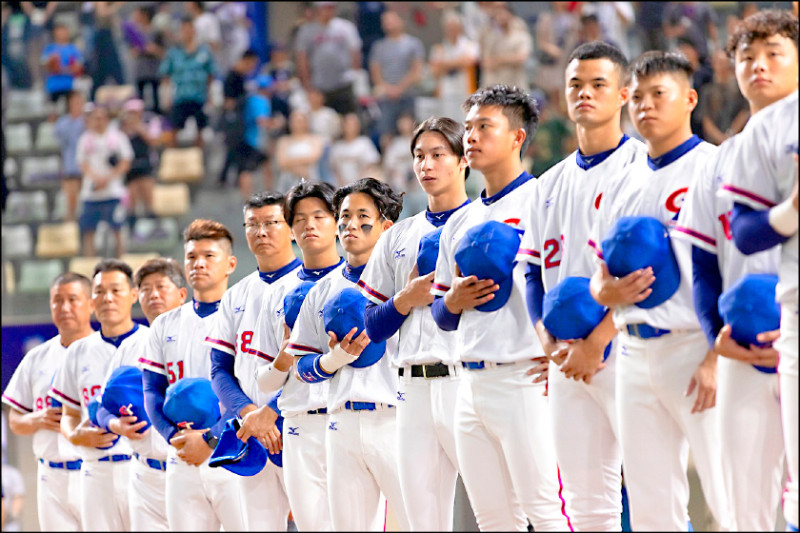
<point x="225" y="384"/>
<point x="47" y="51"/>
<point x="443" y="317"/>
<point x="752" y="231"/>
<point x="706" y="288"/>
<point x="382" y="321"/>
<point x="155" y="387"/>
<point x="263" y="108"/>
<point x="534" y="292"/>
<point x="273" y="403"/>
<point x="219" y="427"/>
<point x="309" y="370"/>
<point x="104" y="416"/>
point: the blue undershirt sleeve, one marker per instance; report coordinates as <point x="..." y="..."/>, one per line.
<point x="104" y="416"/>
<point x="752" y="231"/>
<point x="706" y="288"/>
<point x="442" y="315"/>
<point x="225" y="384"/>
<point x="534" y="292"/>
<point x="273" y="403"/>
<point x="155" y="387"/>
<point x="382" y="321"/>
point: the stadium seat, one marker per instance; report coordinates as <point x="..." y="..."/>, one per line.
<point x="42" y="171"/>
<point x="136" y="260"/>
<point x="150" y="234"/>
<point x="17" y="241"/>
<point x="170" y="200"/>
<point x="84" y="265"/>
<point x="26" y="206"/>
<point x="10" y="167"/>
<point x="18" y="138"/>
<point x="9" y="283"/>
<point x="26" y="105"/>
<point x="35" y="276"/>
<point x="46" y="140"/>
<point x="181" y="165"/>
<point x="62" y="239"/>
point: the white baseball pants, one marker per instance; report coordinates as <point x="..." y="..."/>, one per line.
<point x="148" y="508"/>
<point x="584" y="421"/>
<point x="305" y="471"/>
<point x="362" y="463"/>
<point x="750" y="419"/>
<point x="787" y="346"/>
<point x="265" y="497"/>
<point x="426" y="454"/>
<point x="506" y="451"/>
<point x="104" y="495"/>
<point x="58" y="496"/>
<point x="657" y="430"/>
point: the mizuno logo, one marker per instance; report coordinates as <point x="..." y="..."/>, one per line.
<point x="791" y="148"/>
<point x="316" y="272"/>
<point x="332" y="426"/>
<point x="320" y="313"/>
<point x="400" y="396"/>
<point x="293" y="431"/>
<point x="84" y="370"/>
<point x="399" y="253"/>
<point x="170" y="338"/>
<point x="279" y="312"/>
<point x="548" y="202"/>
<point x="239" y="309"/>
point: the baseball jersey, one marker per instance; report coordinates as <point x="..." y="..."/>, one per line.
<point x="375" y="383"/>
<point x="27" y="391"/>
<point x="82" y="376"/>
<point x="656" y="188"/>
<point x="765" y="176"/>
<point x="485" y="336"/>
<point x="392" y="260"/>
<point x="296" y="397"/>
<point x="704" y="220"/>
<point x="235" y="323"/>
<point x="563" y="208"/>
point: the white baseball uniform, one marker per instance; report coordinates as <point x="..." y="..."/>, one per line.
<point x="104" y="473"/>
<point x="765" y="176"/>
<point x="504" y="439"/>
<point x="232" y="332"/>
<point x="558" y="223"/>
<point x="197" y="498"/>
<point x="426" y="450"/>
<point x="360" y="444"/>
<point x="58" y="476"/>
<point x="303" y="407"/>
<point x="748" y="403"/>
<point x="656" y="427"/>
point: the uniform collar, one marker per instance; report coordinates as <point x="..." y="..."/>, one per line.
<point x="204" y="309"/>
<point x="518" y="181"/>
<point x="352" y="273"/>
<point x="589" y="161"/>
<point x="116" y="341"/>
<point x="674" y="154"/>
<point x="439" y="219"/>
<point x="275" y="275"/>
<point x="318" y="273"/>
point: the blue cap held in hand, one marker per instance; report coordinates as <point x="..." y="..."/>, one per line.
<point x="294" y="300"/>
<point x="345" y="311"/>
<point x="241" y="458"/>
<point x="123" y="394"/>
<point x="428" y="251"/>
<point x="192" y="400"/>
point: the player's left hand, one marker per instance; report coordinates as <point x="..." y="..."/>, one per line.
<point x="192" y="447"/>
<point x="257" y="423"/>
<point x="283" y="361"/>
<point x="127" y="426"/>
<point x="704" y="380"/>
<point x="539" y="370"/>
<point x="416" y="293"/>
<point x="581" y="360"/>
<point x="725" y="346"/>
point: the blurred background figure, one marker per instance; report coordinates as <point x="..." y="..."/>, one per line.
<point x="140" y="179"/>
<point x="297" y="154"/>
<point x="353" y="154"/>
<point x="68" y="129"/>
<point x="722" y="108"/>
<point x="556" y="35"/>
<point x="63" y="62"/>
<point x="505" y="48"/>
<point x="146" y="45"/>
<point x="452" y="63"/>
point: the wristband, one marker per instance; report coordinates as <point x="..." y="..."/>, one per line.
<point x="210" y="439"/>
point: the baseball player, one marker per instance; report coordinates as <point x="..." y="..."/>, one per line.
<point x="198" y="498"/>
<point x="161" y="287"/>
<point x="399" y="298"/>
<point x="554" y="246"/>
<point x="35" y="413"/>
<point x="659" y="414"/>
<point x="503" y="436"/>
<point x="106" y="457"/>
<point x="303" y="406"/>
<point x="764" y="191"/>
<point x="233" y="361"/>
<point x="748" y="393"/>
<point x="360" y="441"/>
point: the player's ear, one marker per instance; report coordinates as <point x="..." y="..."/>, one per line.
<point x="691" y="99"/>
<point x="183" y="292"/>
<point x="387" y="224"/>
<point x="231" y="264"/>
<point x="624" y="95"/>
<point x="519" y="138"/>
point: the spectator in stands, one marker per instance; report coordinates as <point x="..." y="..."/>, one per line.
<point x="15" y="42"/>
<point x="140" y="179"/>
<point x="232" y="119"/>
<point x="368" y="22"/>
<point x="328" y="49"/>
<point x="554" y="138"/>
<point x="104" y="155"/>
<point x="63" y="62"/>
<point x="190" y="67"/>
<point x="327" y="123"/>
<point x="505" y="48"/>
<point x="452" y="63"/>
<point x="206" y="26"/>
<point x="702" y="76"/>
<point x="649" y="26"/>
<point x="395" y="66"/>
<point x="695" y="21"/>
<point x="235" y="27"/>
<point x="107" y="63"/>
<point x="590" y="30"/>
<point x="68" y="129"/>
<point x="615" y="18"/>
<point x="164" y="22"/>
<point x="252" y="152"/>
<point x="723" y="109"/>
<point x="297" y="154"/>
<point x="399" y="174"/>
<point x="556" y="35"/>
<point x="353" y="154"/>
<point x="282" y="71"/>
<point x="146" y="45"/>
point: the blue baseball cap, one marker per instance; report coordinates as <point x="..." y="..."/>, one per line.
<point x="241" y="458"/>
<point x="92" y="407"/>
<point x="192" y="400"/>
<point x="345" y="311"/>
<point x="123" y="394"/>
<point x="264" y="81"/>
<point x="428" y="251"/>
<point x="293" y="300"/>
<point x="749" y="308"/>
<point x="277" y="458"/>
<point x="570" y="312"/>
<point x="487" y="251"/>
<point x="641" y="242"/>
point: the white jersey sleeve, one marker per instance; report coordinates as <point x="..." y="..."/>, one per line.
<point x="153" y="358"/>
<point x="696" y="219"/>
<point x="19" y="393"/>
<point x="445" y="264"/>
<point x="530" y="248"/>
<point x="66" y="388"/>
<point x="377" y="282"/>
<point x="223" y="330"/>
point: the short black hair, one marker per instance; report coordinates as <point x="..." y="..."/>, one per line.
<point x="260" y="199"/>
<point x="388" y="202"/>
<point x="148" y="11"/>
<point x="114" y="265"/>
<point x="600" y="50"/>
<point x="657" y="62"/>
<point x="452" y="131"/>
<point x="165" y="266"/>
<point x="72" y="277"/>
<point x="519" y="107"/>
<point x="761" y="25"/>
<point x="309" y="189"/>
<point x="250" y="53"/>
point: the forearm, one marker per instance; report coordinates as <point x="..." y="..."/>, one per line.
<point x="752" y="231"/>
<point x="225" y="384"/>
<point x="534" y="292"/>
<point x="270" y="378"/>
<point x="382" y="321"/>
<point x="70" y="419"/>
<point x="155" y="388"/>
<point x="706" y="289"/>
<point x="443" y="317"/>
<point x="104" y="417"/>
<point x="22" y="423"/>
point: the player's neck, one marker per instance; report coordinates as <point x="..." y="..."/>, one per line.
<point x="357" y="260"/>
<point x="658" y="147"/>
<point x="116" y="329"/>
<point x="271" y="263"/>
<point x="499" y="175"/>
<point x="447" y="201"/>
<point x="68" y="337"/>
<point x="213" y="294"/>
<point x="600" y="138"/>
<point x="756" y="106"/>
<point x="324" y="259"/>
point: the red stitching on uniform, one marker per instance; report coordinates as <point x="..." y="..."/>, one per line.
<point x="55" y="390"/>
<point x="527" y="251"/>
<point x="221" y="343"/>
<point x="372" y="291"/>
<point x="15" y="402"/>
<point x="303" y="348"/>
<point x="748" y="194"/>
<point x="151" y="363"/>
<point x="696" y="234"/>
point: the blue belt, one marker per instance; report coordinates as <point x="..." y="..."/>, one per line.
<point x="361" y="406"/>
<point x="478" y="365"/>
<point x="115" y="458"/>
<point x="68" y="465"/>
<point x="646" y="331"/>
<point x="155" y="464"/>
<point x="322" y="411"/>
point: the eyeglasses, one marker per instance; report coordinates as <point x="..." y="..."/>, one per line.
<point x="253" y="227"/>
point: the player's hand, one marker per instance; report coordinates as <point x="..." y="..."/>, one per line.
<point x="468" y="292"/>
<point x="48" y="419"/>
<point x="348" y="343"/>
<point x="283" y="361"/>
<point x="416" y="293"/>
<point x="272" y="440"/>
<point x="92" y="437"/>
<point x="257" y="423"/>
<point x="127" y="426"/>
<point x="704" y="380"/>
<point x="611" y="291"/>
<point x="192" y="447"/>
<point x="725" y="346"/>
<point x="539" y="370"/>
<point x="581" y="360"/>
